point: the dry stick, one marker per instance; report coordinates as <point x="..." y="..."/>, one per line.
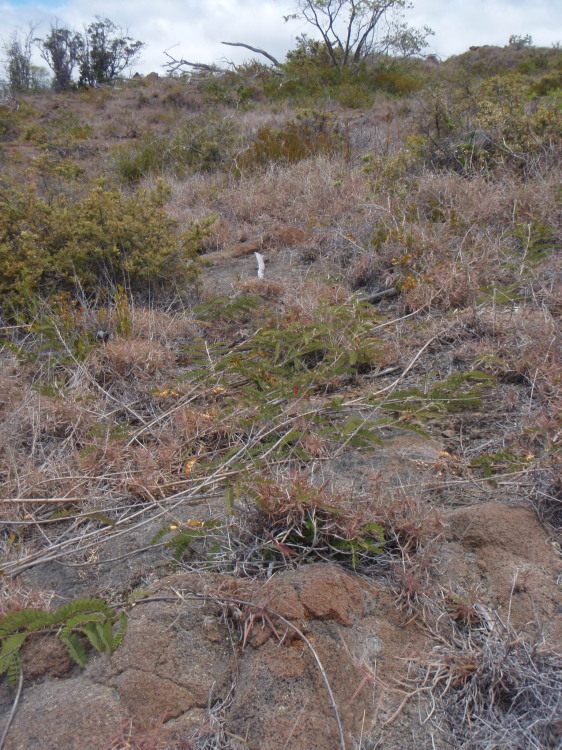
<point x="12" y="712"/>
<point x="397" y="320"/>
<point x="42" y="500"/>
<point x="112" y="559"/>
<point x="382" y="373"/>
<point x="92" y="515"/>
<point x="62" y="548"/>
<point x="36" y="559"/>
<point x="287" y="623"/>
<point x="377" y="296"/>
<point x="295" y="724"/>
<point x="472" y="480"/>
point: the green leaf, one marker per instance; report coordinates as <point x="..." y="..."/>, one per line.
<point x="374" y="527"/>
<point x="30" y="619"/>
<point x="75" y="649"/>
<point x="99" y="634"/>
<point x="161" y="533"/>
<point x="120" y="634"/>
<point x="9" y="655"/>
<point x="79" y="620"/>
<point x="98" y="516"/>
<point x="86" y="604"/>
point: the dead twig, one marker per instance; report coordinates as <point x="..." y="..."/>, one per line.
<point x="12" y="712"/>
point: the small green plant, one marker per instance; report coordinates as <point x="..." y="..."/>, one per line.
<point x="92" y="618"/>
<point x="457" y="393"/>
<point x="9" y="121"/>
<point x="62" y="132"/>
<point x="195" y="147"/>
<point x="291" y="355"/>
<point x="122" y="314"/>
<point x="184" y="534"/>
<point x="298" y="523"/>
<point x="498" y="463"/>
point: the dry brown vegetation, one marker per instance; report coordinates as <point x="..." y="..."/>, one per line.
<point x="123" y="403"/>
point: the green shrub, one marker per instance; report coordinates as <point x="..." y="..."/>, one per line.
<point x="354" y="96"/>
<point x="63" y="131"/>
<point x="396" y="83"/>
<point x="548" y="84"/>
<point x="196" y="146"/>
<point x="311" y="134"/>
<point x="101" y="240"/>
<point x="495" y="124"/>
<point x="8" y="123"/>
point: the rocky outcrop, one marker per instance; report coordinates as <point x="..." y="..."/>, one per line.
<point x="192" y="646"/>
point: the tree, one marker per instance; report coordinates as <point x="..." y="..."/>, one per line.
<point x="354" y="29"/>
<point x="520" y="42"/>
<point x="107" y="52"/>
<point x="62" y="51"/>
<point x="17" y="59"/>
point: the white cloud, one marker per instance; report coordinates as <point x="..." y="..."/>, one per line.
<point x="459" y="24"/>
<point x="198" y="26"/>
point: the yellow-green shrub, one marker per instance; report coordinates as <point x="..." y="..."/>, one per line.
<point x="311" y="134"/>
<point x="499" y="123"/>
<point x="395" y="82"/>
<point x="103" y="239"/>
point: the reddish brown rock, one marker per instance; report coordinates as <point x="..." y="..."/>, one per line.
<point x="513" y="556"/>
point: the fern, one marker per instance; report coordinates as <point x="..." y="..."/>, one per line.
<point x="80" y="621"/>
<point x="457" y="393"/>
<point x="86" y="604"/>
<point x="91" y="617"/>
<point x="184" y="535"/>
<point x="75" y="649"/>
<point x="26" y="619"/>
<point x="10" y="660"/>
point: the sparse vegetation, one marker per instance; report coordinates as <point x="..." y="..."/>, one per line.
<point x="410" y="226"/>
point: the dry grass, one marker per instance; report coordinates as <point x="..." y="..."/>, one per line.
<point x="499" y="691"/>
<point x="139" y="425"/>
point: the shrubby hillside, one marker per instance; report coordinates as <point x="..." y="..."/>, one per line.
<point x="328" y="498"/>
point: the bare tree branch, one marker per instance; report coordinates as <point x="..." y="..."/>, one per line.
<point x="174" y="65"/>
<point x="256" y="50"/>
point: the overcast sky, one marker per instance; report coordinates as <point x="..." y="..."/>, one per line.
<point x="195" y="28"/>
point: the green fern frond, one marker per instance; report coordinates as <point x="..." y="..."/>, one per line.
<point x="99" y="634"/>
<point x="79" y="620"/>
<point x="120" y="634"/>
<point x="161" y="533"/>
<point x="86" y="604"/>
<point x="28" y="619"/>
<point x="182" y="542"/>
<point x="75" y="649"/>
<point x="10" y="660"/>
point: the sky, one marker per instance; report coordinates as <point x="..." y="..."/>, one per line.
<point x="193" y="29"/>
